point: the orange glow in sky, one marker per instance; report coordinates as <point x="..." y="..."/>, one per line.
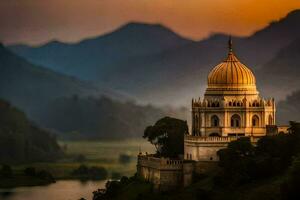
<point x="38" y="21"/>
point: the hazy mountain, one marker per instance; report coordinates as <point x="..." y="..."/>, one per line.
<point x="280" y="76"/>
<point x="180" y="73"/>
<point x="67" y="105"/>
<point x="93" y="118"/>
<point x="94" y="58"/>
<point x="154" y="64"/>
<point x="29" y="87"/>
<point x="21" y="141"/>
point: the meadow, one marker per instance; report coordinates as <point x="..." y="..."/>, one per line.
<point x="95" y="153"/>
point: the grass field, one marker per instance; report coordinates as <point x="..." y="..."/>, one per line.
<point x="97" y="153"/>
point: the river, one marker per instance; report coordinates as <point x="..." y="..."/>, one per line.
<point x="61" y="190"/>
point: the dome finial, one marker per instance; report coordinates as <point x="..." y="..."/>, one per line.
<point x="230" y="44"/>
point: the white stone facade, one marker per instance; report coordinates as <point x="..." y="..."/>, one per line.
<point x="231" y="108"/>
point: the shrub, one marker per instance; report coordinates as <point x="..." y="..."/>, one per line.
<point x="290" y="187"/>
<point x="45" y="175"/>
<point x="124" y="158"/>
<point x="116" y="175"/>
<point x="98" y="173"/>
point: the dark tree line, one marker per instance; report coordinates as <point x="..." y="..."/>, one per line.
<point x="92" y="117"/>
<point x="243" y="163"/>
<point x="21" y="140"/>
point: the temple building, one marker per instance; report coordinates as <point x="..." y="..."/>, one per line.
<point x="232" y="105"/>
<point x="231" y="108"/>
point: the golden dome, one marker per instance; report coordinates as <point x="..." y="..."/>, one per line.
<point x="231" y="73"/>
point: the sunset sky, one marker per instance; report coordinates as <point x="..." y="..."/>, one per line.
<point x="38" y="21"/>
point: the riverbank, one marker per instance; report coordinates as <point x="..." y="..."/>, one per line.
<point x="60" y="190"/>
<point x="98" y="154"/>
<point x="202" y="189"/>
<point x="22" y="180"/>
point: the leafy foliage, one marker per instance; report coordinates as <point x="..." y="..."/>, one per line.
<point x="290" y="188"/>
<point x="114" y="188"/>
<point x="242" y="162"/>
<point x="237" y="159"/>
<point x="167" y="134"/>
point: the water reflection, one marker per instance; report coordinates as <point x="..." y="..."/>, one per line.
<point x="61" y="190"/>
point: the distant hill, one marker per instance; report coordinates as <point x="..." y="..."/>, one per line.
<point x="153" y="64"/>
<point x="94" y="58"/>
<point x="29" y="86"/>
<point x="280" y="76"/>
<point x="95" y="118"/>
<point x="23" y="142"/>
<point x="69" y="106"/>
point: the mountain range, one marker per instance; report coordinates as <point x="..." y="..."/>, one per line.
<point x="72" y="108"/>
<point x="280" y="75"/>
<point x="29" y="86"/>
<point x="153" y="64"/>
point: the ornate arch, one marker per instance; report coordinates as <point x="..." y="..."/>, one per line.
<point x="235" y="121"/>
<point x="255" y="121"/>
<point x="214" y="121"/>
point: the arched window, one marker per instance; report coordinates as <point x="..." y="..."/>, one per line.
<point x="235" y="121"/>
<point x="234" y="103"/>
<point x="213" y="105"/>
<point x="255" y="121"/>
<point x="230" y="103"/>
<point x="270" y="120"/>
<point x="214" y="121"/>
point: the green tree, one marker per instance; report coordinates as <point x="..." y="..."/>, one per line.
<point x="237" y="161"/>
<point x="241" y="162"/>
<point x="167" y="135"/>
<point x="290" y="187"/>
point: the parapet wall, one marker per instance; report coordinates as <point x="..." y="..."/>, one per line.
<point x="159" y="163"/>
<point x="209" y="139"/>
<point x="164" y="173"/>
<point x="200" y="148"/>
